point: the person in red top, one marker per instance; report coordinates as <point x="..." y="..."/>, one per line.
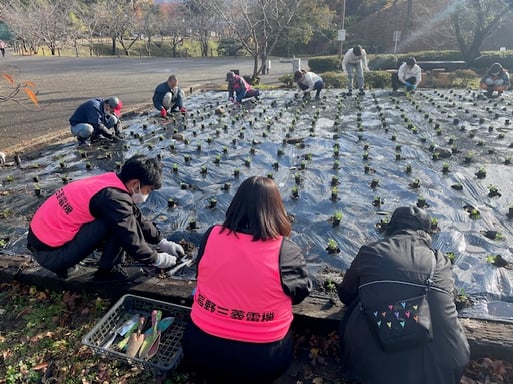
<point x="101" y="211"/>
<point x="249" y="276"/>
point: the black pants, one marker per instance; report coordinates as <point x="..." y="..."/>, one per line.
<point x="396" y="83"/>
<point x="223" y="361"/>
<point x="90" y="236"/>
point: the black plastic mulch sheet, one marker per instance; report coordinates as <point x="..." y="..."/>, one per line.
<point x="392" y="151"/>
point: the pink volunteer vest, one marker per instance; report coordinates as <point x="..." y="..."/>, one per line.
<point x="60" y="217"/>
<point x="239" y="294"/>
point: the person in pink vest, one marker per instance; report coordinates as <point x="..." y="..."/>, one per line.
<point x="101" y="211"/>
<point x="249" y="276"/>
<point x="239" y="89"/>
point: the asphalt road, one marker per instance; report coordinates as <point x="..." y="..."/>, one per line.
<point x="62" y="83"/>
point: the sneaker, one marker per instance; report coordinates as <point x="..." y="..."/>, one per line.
<point x="83" y="142"/>
<point x="66" y="273"/>
<point x="349" y="93"/>
<point x="361" y="93"/>
<point x="115" y="275"/>
<point x="317" y="98"/>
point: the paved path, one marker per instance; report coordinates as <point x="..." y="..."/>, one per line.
<point x="63" y="83"/>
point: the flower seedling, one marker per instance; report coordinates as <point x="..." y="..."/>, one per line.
<point x="493" y="191"/>
<point x="481" y="173"/>
<point x="332" y="246"/>
<point x="415" y="184"/>
<point x="334" y="194"/>
<point x="451" y="256"/>
<point x="377" y="201"/>
<point x="337" y="216"/>
<point x="421" y="202"/>
<point x="295" y="192"/>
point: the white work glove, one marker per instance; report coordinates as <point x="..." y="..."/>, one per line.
<point x="164" y="260"/>
<point x="171" y="248"/>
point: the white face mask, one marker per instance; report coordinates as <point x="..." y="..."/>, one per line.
<point x="139" y="197"/>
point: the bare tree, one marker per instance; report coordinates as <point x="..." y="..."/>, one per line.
<point x="116" y="20"/>
<point x="22" y="20"/>
<point x="474" y="20"/>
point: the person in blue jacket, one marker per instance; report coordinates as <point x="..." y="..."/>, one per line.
<point x="168" y="97"/>
<point x="96" y="118"/>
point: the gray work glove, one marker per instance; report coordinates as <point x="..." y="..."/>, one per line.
<point x="171" y="248"/>
<point x="164" y="260"/>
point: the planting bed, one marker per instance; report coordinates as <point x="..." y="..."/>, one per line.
<point x="358" y="158"/>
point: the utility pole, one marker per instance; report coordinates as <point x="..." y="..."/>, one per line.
<point x="342" y="32"/>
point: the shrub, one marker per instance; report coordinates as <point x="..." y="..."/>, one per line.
<point x="378" y="79"/>
<point x="465" y="78"/>
<point x="323" y="64"/>
<point x="483" y="62"/>
<point x="287" y="79"/>
<point x="334" y="79"/>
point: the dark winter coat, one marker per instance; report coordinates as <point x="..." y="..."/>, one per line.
<point x="404" y="256"/>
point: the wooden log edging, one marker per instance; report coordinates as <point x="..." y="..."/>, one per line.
<point x="486" y="338"/>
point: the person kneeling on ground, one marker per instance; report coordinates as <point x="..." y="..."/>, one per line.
<point x="101" y="211"/>
<point x="96" y="118"/>
<point x="409" y="75"/>
<point x="397" y="269"/>
<point x="239" y="88"/>
<point x="168" y="97"/>
<point x="249" y="276"/>
<point x="496" y="80"/>
<point x="309" y="81"/>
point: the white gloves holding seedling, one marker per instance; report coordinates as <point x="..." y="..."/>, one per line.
<point x="170" y="252"/>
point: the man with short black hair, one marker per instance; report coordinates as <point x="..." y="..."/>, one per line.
<point x="409" y="75"/>
<point x="101" y="211"/>
<point x="355" y="60"/>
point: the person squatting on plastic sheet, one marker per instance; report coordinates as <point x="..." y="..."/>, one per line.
<point x="249" y="276"/>
<point x="101" y="212"/>
<point x="168" y="98"/>
<point x="239" y="89"/>
<point x="384" y="277"/>
<point x="96" y="118"/>
<point x="496" y="79"/>
<point x="307" y="82"/>
<point x="409" y="75"/>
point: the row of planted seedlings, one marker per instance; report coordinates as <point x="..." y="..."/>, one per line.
<point x="472" y="211"/>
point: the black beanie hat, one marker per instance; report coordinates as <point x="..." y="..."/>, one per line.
<point x="408" y="218"/>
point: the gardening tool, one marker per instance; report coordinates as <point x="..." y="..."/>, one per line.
<point x="162" y="326"/>
<point x="151" y="334"/>
<point x="126" y="327"/>
<point x="185" y="263"/>
<point x="136" y="339"/>
<point x="151" y="341"/>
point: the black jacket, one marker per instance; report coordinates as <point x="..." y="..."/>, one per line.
<point x="405" y="256"/>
